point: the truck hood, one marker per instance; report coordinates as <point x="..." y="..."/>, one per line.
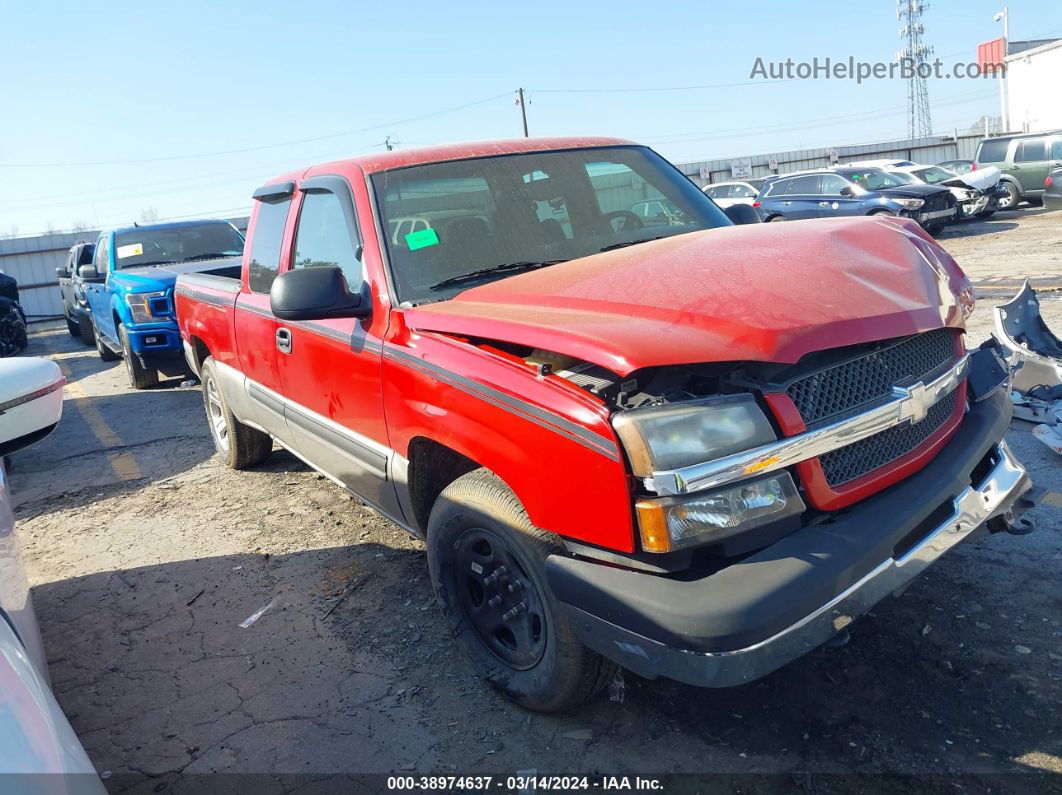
<point x="760" y="292"/>
<point x="162" y="277"/>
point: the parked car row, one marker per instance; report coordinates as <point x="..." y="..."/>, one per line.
<point x="1006" y="171"/>
<point x="13" y="336"/>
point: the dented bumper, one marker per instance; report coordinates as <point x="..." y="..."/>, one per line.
<point x="748" y="619"/>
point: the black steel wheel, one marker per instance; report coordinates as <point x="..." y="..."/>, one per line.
<point x="502" y="601"/>
<point x="487" y="565"/>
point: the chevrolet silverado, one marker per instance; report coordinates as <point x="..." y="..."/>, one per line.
<point x="698" y="449"/>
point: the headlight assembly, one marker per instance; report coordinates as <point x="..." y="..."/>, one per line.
<point x="910" y="204"/>
<point x="661" y="438"/>
<point x="671" y="523"/>
<point x="142" y="304"/>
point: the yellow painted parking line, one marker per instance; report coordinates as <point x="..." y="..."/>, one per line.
<point x="122" y="462"/>
<point x="1051" y="498"/>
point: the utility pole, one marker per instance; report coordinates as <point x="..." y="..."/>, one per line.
<point x="1004" y="110"/>
<point x="523" y="109"/>
<point x="915" y="52"/>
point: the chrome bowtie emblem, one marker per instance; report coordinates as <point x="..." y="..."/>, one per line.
<point x="916" y="401"/>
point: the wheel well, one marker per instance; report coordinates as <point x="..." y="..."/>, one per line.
<point x="1011" y="181"/>
<point x="880" y="211"/>
<point x="201" y="352"/>
<point x="432" y="467"/>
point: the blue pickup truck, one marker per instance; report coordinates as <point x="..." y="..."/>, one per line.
<point x="129" y="287"/>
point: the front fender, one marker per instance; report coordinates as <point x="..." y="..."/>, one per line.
<point x="547" y="440"/>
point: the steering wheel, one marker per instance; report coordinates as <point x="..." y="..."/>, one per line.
<point x="631" y="222"/>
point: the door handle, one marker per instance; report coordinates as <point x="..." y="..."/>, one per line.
<point x="824" y="204"/>
<point x="284" y="340"/>
<point x="786" y="204"/>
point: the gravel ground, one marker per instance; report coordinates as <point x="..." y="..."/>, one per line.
<point x="146" y="555"/>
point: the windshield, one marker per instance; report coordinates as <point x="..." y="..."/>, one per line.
<point x="496" y="216"/>
<point x="143" y="246"/>
<point x="934" y="175"/>
<point x="906" y="177"/>
<point x="874" y="179"/>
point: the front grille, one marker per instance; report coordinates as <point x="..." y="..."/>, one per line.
<point x="855" y="460"/>
<point x="835" y="392"/>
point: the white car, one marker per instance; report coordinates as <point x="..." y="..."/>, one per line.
<point x="976" y="192"/>
<point x="727" y="194"/>
<point x="36" y="736"/>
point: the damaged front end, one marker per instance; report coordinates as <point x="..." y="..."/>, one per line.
<point x="1033" y="351"/>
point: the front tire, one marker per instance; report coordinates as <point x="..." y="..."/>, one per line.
<point x="984" y="215"/>
<point x="487" y="564"/>
<point x="1012" y="199"/>
<point x="140" y="377"/>
<point x="72" y="328"/>
<point x="239" y="446"/>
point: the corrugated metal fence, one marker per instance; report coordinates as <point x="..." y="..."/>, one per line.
<point x="918" y="150"/>
<point x="33" y="260"/>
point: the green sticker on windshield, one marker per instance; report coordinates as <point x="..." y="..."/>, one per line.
<point x="422" y="239"/>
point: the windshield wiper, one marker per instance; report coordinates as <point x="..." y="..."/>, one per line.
<point x="208" y="256"/>
<point x="614" y="246"/>
<point x="528" y="265"/>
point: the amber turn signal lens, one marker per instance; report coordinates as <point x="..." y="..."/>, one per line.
<point x="652" y="520"/>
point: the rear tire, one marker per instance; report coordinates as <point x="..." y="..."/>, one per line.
<point x="84" y="325"/>
<point x="775" y="218"/>
<point x="140" y="377"/>
<point x="105" y="353"/>
<point x="239" y="446"/>
<point x="486" y="560"/>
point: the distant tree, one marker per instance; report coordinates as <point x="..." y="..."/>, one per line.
<point x="149" y="215"/>
<point x="51" y="229"/>
<point x="79" y="227"/>
<point x="12" y="232"/>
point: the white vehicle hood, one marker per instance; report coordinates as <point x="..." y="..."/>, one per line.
<point x="982" y="179"/>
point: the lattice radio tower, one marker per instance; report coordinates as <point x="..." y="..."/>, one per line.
<point x="909" y="12"/>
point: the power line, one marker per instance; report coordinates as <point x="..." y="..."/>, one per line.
<point x="260" y="147"/>
<point x="618" y="90"/>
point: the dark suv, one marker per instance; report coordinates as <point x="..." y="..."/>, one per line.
<point x="75" y="306"/>
<point x="854" y="191"/>
<point x="1025" y="161"/>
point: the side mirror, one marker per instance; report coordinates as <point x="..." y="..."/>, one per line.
<point x="847" y="191"/>
<point x="62" y="273"/>
<point x="88" y="273"/>
<point x="315" y="294"/>
<point x="31" y="401"/>
<point x="742" y="214"/>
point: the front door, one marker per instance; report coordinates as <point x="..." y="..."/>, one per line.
<point x="99" y="299"/>
<point x="802" y="199"/>
<point x="832" y="202"/>
<point x="331" y="368"/>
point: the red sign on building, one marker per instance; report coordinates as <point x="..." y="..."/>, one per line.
<point x="990" y="55"/>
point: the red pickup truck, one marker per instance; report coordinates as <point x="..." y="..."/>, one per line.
<point x="692" y="447"/>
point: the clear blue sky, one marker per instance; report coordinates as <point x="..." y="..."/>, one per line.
<point x="140" y="81"/>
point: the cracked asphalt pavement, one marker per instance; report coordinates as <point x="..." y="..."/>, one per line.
<point x="146" y="556"/>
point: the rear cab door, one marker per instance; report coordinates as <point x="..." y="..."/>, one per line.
<point x="254" y="326"/>
<point x="802" y="199"/>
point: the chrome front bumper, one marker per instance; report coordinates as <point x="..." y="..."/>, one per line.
<point x="995" y="495"/>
